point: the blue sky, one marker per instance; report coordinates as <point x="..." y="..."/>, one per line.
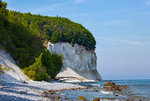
<point x="121" y="29"/>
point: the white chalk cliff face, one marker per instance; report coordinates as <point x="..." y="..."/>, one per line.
<point x="79" y="65"/>
<point x="14" y="74"/>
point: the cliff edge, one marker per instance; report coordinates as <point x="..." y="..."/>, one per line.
<point x="79" y="64"/>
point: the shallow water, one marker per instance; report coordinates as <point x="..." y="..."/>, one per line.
<point x="138" y="90"/>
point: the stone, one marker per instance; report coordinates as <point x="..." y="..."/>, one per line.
<point x="96" y="99"/>
<point x="25" y="82"/>
<point x="108" y="88"/>
<point x="124" y="86"/>
<point x="57" y="97"/>
<point x="95" y="90"/>
<point x="117" y="89"/>
<point x="81" y="98"/>
<point x="109" y="84"/>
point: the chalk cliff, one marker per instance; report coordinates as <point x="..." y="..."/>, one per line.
<point x="79" y="64"/>
<point x="14" y="74"/>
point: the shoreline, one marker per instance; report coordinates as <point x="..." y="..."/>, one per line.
<point x="34" y="90"/>
<point x="59" y="91"/>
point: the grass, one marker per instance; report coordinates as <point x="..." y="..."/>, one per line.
<point x="3" y="69"/>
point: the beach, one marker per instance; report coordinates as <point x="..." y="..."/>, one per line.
<point x="34" y="90"/>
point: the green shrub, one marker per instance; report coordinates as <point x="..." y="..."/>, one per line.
<point x="42" y="76"/>
<point x="1" y="69"/>
<point x="52" y="62"/>
<point x="6" y="68"/>
<point x="57" y="64"/>
<point x="46" y="65"/>
<point x="37" y="71"/>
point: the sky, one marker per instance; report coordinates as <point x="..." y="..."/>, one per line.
<point x="121" y="29"/>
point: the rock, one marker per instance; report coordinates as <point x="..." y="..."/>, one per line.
<point x="81" y="98"/>
<point x="124" y="86"/>
<point x="130" y="100"/>
<point x="79" y="64"/>
<point x="96" y="99"/>
<point x="49" y="93"/>
<point x="111" y="99"/>
<point x="95" y="90"/>
<point x="25" y="82"/>
<point x="57" y="98"/>
<point x="21" y="92"/>
<point x="109" y="84"/>
<point x="116" y="89"/>
<point x="113" y="88"/>
<point x="108" y="88"/>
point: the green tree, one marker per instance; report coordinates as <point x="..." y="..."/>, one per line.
<point x="3" y="10"/>
<point x="37" y="71"/>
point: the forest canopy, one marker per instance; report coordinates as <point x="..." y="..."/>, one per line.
<point x="55" y="29"/>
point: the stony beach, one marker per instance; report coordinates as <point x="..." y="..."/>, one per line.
<point x="33" y="91"/>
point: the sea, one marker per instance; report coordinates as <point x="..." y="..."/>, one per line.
<point x="137" y="90"/>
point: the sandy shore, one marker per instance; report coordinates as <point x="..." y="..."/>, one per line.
<point x="31" y="91"/>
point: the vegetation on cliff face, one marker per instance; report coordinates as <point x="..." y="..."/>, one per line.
<point x="22" y="35"/>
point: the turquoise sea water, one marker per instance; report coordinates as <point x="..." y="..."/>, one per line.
<point x="138" y="90"/>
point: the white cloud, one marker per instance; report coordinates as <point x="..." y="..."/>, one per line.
<point x="147" y="3"/>
<point x="79" y="1"/>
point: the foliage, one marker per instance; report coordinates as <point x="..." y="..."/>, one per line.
<point x="37" y="71"/>
<point x="22" y="45"/>
<point x="55" y="29"/>
<point x="52" y="62"/>
<point x="57" y="62"/>
<point x="3" y="10"/>
<point x="3" y="69"/>
<point x="44" y="67"/>
<point x="6" y="69"/>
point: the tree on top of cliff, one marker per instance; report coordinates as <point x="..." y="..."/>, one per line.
<point x="3" y="10"/>
<point x="55" y="29"/>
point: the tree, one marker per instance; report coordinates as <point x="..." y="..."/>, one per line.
<point x="3" y="10"/>
<point x="37" y="71"/>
